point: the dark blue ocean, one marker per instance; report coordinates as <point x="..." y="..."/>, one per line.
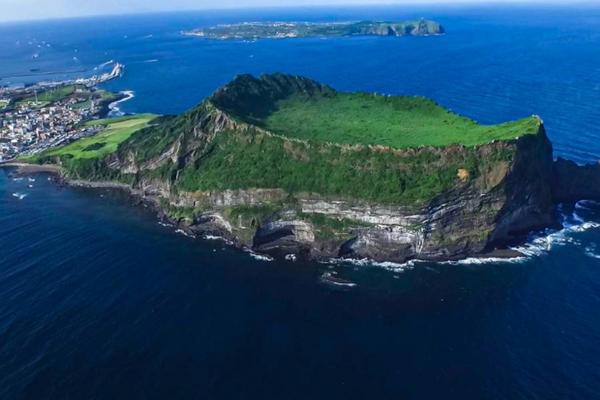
<point x="99" y="301"/>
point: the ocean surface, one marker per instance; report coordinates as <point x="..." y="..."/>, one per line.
<point x="100" y="301"/>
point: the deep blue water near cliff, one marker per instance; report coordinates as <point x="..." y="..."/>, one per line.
<point x="99" y="301"/>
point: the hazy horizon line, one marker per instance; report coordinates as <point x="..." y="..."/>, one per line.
<point x="350" y="4"/>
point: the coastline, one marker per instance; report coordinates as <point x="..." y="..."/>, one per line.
<point x="25" y="168"/>
<point x="139" y="197"/>
<point x="113" y="108"/>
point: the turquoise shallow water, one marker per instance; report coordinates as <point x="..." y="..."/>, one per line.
<point x="97" y="300"/>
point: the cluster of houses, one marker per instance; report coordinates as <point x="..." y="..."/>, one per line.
<point x="32" y="126"/>
<point x="30" y="129"/>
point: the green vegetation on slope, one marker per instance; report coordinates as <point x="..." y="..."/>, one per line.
<point x="235" y="161"/>
<point x="214" y="153"/>
<point x="116" y="131"/>
<point x="323" y="162"/>
<point x="399" y="122"/>
<point x="153" y="141"/>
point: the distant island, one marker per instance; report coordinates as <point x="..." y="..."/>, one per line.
<point x="289" y="167"/>
<point x="281" y="30"/>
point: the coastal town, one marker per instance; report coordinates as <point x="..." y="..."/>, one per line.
<point x="49" y="114"/>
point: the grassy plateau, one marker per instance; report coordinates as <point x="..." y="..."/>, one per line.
<point x="399" y="122"/>
<point x="310" y="146"/>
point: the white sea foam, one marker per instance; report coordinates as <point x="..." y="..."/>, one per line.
<point x="115" y="111"/>
<point x="212" y="237"/>
<point x="331" y="278"/>
<point x="586" y="226"/>
<point x="153" y="60"/>
<point x="259" y="257"/>
<point x="396" y="267"/>
<point x="291" y="257"/>
<point x="365" y="262"/>
<point x="578" y="218"/>
<point x="165" y="224"/>
<point x="543" y="243"/>
<point x="184" y="233"/>
<point x="537" y="245"/>
<point x="215" y="237"/>
<point x="586" y="204"/>
<point x="19" y="196"/>
<point x="104" y="64"/>
<point x="335" y="283"/>
<point x="484" y="260"/>
<point x="31" y="179"/>
<point x="592" y="252"/>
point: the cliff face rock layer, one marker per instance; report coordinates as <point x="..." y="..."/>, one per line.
<point x="241" y="166"/>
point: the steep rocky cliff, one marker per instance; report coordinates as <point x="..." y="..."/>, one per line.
<point x="220" y="170"/>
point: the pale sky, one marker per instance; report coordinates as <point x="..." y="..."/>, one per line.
<point x="38" y="9"/>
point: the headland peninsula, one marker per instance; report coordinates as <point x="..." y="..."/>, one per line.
<point x="289" y="167"/>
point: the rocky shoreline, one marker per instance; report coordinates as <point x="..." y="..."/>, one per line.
<point x="209" y="228"/>
<point x="214" y="172"/>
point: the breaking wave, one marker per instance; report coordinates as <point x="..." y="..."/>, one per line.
<point x="365" y="262"/>
<point x="259" y="257"/>
<point x="591" y="251"/>
<point x="220" y="238"/>
<point x="184" y="233"/>
<point x="541" y="244"/>
<point x="212" y="237"/>
<point x="485" y="260"/>
<point x="115" y="110"/>
<point x="537" y="244"/>
<point x="104" y="64"/>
